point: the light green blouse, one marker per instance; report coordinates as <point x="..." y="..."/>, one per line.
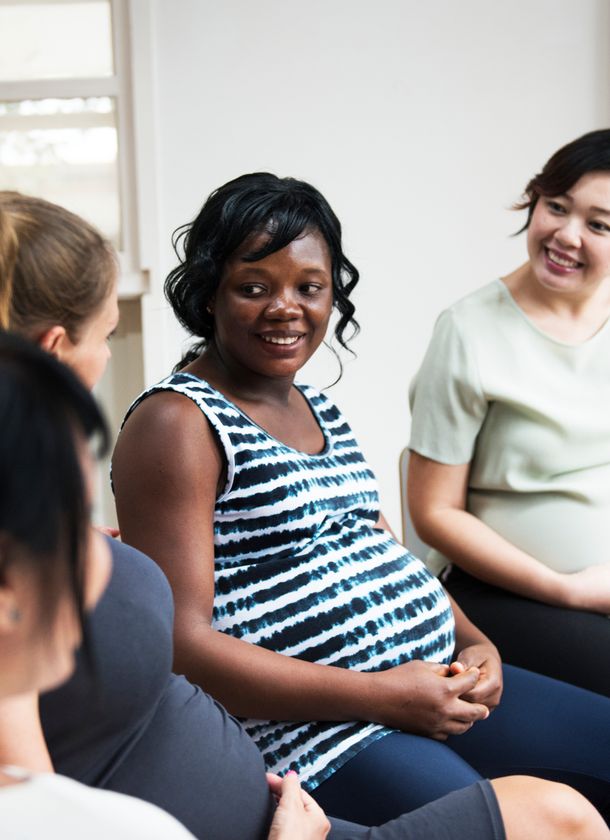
<point x="532" y="414"/>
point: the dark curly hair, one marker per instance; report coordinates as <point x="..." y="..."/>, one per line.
<point x="244" y="206"/>
<point x="589" y="153"/>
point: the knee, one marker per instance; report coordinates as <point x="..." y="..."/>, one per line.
<point x="537" y="809"/>
<point x="570" y="813"/>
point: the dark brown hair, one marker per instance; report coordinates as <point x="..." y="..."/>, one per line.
<point x="44" y="511"/>
<point x="589" y="153"/>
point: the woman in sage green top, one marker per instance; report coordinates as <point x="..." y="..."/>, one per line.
<point x="509" y="478"/>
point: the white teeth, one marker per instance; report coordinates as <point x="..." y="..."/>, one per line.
<point x="273" y="339"/>
<point x="562" y="261"/>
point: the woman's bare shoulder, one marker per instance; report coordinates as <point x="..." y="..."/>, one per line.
<point x="166" y="428"/>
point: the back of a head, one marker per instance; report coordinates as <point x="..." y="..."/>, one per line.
<point x="55" y="268"/>
<point x="44" y="411"/>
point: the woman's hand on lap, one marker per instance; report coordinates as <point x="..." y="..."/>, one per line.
<point x="298" y="816"/>
<point x="427" y="699"/>
<point x="486" y="658"/>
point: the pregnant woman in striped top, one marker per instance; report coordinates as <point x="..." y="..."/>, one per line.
<point x="295" y="605"/>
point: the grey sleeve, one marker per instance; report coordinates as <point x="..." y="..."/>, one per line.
<point x="461" y="815"/>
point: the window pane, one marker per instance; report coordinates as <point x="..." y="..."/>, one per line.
<point x="55" y="40"/>
<point x="64" y="150"/>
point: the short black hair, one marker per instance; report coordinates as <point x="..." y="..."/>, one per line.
<point x="43" y="505"/>
<point x="260" y="201"/>
<point x="589" y="153"/>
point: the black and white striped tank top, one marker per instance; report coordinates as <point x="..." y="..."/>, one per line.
<point x="301" y="569"/>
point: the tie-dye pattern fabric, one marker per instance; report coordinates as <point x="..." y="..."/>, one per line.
<point x="301" y="569"/>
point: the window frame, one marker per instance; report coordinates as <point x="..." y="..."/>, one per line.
<point x="133" y="282"/>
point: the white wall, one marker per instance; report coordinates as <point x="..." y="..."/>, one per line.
<point x="420" y="121"/>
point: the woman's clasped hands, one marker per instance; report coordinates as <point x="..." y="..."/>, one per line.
<point x="436" y="700"/>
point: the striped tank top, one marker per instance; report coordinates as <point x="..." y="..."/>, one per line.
<point x="302" y="569"/>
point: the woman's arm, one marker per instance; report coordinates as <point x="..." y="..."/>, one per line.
<point x="437" y="502"/>
<point x="167" y="467"/>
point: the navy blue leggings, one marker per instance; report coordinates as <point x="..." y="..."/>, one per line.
<point x="542" y="727"/>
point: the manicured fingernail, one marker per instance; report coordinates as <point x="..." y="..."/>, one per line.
<point x="291" y="773"/>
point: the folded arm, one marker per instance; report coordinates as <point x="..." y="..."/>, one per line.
<point x="437" y="503"/>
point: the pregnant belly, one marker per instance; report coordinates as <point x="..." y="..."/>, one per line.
<point x="564" y="533"/>
<point x="368" y="611"/>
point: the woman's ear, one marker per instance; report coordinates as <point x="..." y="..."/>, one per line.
<point x="10" y="614"/>
<point x="54" y="340"/>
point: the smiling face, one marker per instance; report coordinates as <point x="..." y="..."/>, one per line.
<point x="568" y="239"/>
<point x="271" y="315"/>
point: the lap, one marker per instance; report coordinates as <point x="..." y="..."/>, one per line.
<point x="546" y="728"/>
<point x="542" y="727"/>
<point x="395" y="774"/>
<point x="560" y="643"/>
